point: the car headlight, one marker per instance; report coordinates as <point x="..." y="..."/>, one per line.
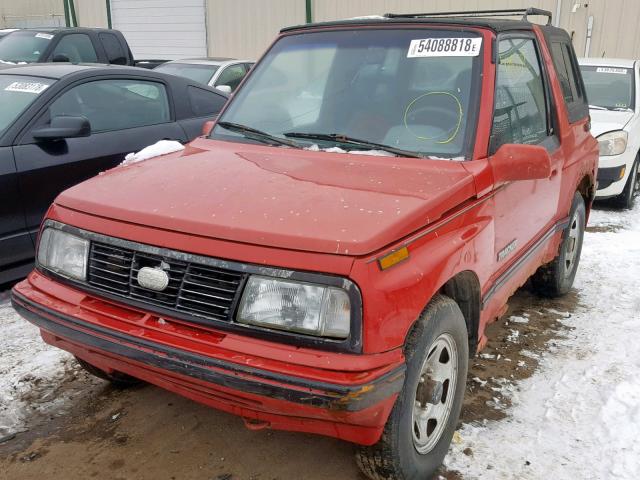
<point x="612" y="143"/>
<point x="296" y="306"/>
<point x="63" y="253"/>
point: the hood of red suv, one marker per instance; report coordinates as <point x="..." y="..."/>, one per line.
<point x="287" y="198"/>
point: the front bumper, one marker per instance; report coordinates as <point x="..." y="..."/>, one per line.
<point x="350" y="404"/>
<point x="613" y="172"/>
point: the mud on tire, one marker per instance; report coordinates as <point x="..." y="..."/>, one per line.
<point x="439" y="339"/>
<point x="556" y="277"/>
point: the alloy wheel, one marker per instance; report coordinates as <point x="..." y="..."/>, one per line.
<point x="435" y="393"/>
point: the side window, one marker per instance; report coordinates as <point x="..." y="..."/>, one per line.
<point x="113" y="47"/>
<point x="562" y="71"/>
<point x="520" y="114"/>
<point x="232" y="75"/>
<point x="204" y="102"/>
<point x="115" y="104"/>
<point x="77" y="48"/>
<point x="568" y="74"/>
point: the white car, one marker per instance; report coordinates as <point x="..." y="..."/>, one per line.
<point x="222" y="73"/>
<point x="612" y="89"/>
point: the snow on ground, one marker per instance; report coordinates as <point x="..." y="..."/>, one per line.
<point x="578" y="417"/>
<point x="30" y="371"/>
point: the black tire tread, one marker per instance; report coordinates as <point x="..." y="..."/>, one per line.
<point x="381" y="460"/>
<point x="118" y="379"/>
<point x="546" y="281"/>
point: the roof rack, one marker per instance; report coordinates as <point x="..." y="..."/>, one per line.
<point x="512" y="12"/>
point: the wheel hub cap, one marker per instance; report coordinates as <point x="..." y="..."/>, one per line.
<point x="435" y="393"/>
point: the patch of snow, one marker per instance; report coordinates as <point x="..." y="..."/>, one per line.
<point x="26" y="362"/>
<point x="378" y="153"/>
<point x="517" y="319"/>
<point x="579" y="414"/>
<point x="163" y="147"/>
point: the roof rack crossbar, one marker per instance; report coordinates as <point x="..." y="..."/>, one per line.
<point x="509" y="12"/>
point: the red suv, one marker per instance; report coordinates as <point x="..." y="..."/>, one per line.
<point x="327" y="259"/>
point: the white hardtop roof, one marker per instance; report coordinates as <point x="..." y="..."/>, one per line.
<point x="607" y="62"/>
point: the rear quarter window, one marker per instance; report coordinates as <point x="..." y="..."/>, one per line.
<point x="568" y="72"/>
<point x="204" y="102"/>
<point x="112" y="46"/>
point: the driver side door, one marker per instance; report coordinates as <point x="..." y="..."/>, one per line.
<point x="523" y="114"/>
<point x="125" y="116"/>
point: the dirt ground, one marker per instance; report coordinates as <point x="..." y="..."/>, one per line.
<point x="147" y="433"/>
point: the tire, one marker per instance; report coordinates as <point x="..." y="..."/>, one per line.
<point x="556" y="278"/>
<point x="631" y="189"/>
<point x="405" y="451"/>
<point x="117" y="379"/>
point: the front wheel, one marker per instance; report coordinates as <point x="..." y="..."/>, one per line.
<point x="418" y="432"/>
<point x="556" y="278"/>
<point x="631" y="189"/>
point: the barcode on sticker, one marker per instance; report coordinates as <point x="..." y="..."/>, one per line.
<point x="27" y="87"/>
<point x="444" y="47"/>
<point x="621" y="71"/>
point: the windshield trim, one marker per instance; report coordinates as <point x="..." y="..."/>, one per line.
<point x="478" y="69"/>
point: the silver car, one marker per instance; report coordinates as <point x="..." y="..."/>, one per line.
<point x="222" y="73"/>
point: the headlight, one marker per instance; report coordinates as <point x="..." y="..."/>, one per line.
<point x="295" y="306"/>
<point x="612" y="143"/>
<point x="63" y="253"/>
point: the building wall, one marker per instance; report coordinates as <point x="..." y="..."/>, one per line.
<point x="91" y="13"/>
<point x="31" y="13"/>
<point x="245" y="28"/>
<point x="324" y="10"/>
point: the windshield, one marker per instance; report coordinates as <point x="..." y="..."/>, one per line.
<point x="17" y="92"/>
<point x="23" y="47"/>
<point x="197" y="73"/>
<point x="410" y="89"/>
<point x="609" y="87"/>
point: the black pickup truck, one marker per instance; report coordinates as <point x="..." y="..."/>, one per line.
<point x="75" y="45"/>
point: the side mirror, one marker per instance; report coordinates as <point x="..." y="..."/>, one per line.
<point x="514" y="162"/>
<point x="224" y="88"/>
<point x="64" y="127"/>
<point x="60" y="57"/>
<point x="207" y="127"/>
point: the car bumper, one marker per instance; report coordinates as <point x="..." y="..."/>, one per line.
<point x="352" y="405"/>
<point x="613" y="172"/>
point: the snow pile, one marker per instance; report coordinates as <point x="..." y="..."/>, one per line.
<point x="30" y="371"/>
<point x="378" y="153"/>
<point x="163" y="147"/>
<point x="578" y="417"/>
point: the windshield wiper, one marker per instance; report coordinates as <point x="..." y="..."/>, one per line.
<point x="339" y="138"/>
<point x="598" y="107"/>
<point x="259" y="135"/>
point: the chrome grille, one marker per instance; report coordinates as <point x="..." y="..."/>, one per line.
<point x="193" y="288"/>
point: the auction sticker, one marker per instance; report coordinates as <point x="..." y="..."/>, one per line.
<point x="27" y="87"/>
<point x="445" y="47"/>
<point x="622" y="71"/>
<point x="47" y="36"/>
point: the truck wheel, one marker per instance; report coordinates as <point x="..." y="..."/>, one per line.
<point x="117" y="379"/>
<point x="556" y="278"/>
<point x="419" y="430"/>
<point x="627" y="198"/>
